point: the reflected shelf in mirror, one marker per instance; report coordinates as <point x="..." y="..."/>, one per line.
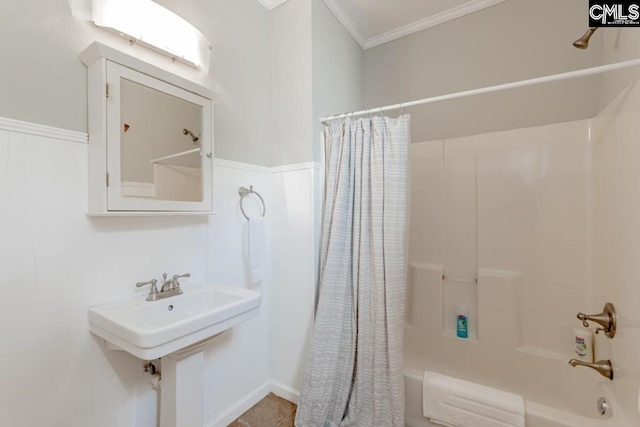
<point x="171" y="156"/>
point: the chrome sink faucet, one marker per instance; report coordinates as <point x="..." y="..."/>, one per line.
<point x="169" y="287"/>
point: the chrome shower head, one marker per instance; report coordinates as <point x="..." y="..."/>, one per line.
<point x="583" y="42"/>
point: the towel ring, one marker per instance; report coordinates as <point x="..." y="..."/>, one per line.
<point x="244" y="191"/>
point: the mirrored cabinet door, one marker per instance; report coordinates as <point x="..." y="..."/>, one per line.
<point x="159" y="145"/>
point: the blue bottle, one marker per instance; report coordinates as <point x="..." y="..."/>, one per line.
<point x="462" y="330"/>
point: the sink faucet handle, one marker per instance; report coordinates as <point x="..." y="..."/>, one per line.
<point x="179" y="276"/>
<point x="153" y="292"/>
<point x="164" y="277"/>
<point x="151" y="282"/>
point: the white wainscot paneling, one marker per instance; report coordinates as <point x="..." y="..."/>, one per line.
<point x="56" y="262"/>
<point x="237" y="370"/>
<point x="293" y="274"/>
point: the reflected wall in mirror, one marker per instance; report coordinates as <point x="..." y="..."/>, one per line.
<point x="160" y="145"/>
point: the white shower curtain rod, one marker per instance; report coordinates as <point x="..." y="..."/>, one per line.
<point x="490" y="89"/>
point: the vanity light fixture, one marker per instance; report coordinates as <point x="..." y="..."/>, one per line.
<point x="151" y="25"/>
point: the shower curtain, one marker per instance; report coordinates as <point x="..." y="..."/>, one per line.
<point x="354" y="374"/>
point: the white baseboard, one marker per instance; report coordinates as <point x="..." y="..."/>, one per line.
<point x="285" y="392"/>
<point x="234" y="412"/>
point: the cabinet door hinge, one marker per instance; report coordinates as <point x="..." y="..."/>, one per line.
<point x="107" y="90"/>
<point x="107" y="179"/>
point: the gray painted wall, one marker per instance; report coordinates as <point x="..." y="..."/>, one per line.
<point x="516" y="40"/>
<point x="291" y="107"/>
<point x="43" y="81"/>
<point x="338" y="70"/>
<point x="316" y="70"/>
<point x="280" y="71"/>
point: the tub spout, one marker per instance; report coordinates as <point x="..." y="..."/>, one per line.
<point x="603" y="367"/>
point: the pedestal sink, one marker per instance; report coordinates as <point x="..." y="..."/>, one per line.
<point x="176" y="329"/>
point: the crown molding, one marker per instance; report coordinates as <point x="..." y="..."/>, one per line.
<point x="440" y="18"/>
<point x="467" y="8"/>
<point x="346" y="22"/>
<point x="271" y="4"/>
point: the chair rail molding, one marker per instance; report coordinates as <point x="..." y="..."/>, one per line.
<point x="29" y="128"/>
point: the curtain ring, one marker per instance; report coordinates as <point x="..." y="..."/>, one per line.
<point x="401" y="109"/>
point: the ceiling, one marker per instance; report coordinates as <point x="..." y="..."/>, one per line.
<point x="374" y="22"/>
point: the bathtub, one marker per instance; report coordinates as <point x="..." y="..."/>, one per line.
<point x="537" y="415"/>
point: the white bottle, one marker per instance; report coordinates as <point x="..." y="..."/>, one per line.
<point x="583" y="345"/>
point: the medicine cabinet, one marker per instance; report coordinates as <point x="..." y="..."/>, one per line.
<point x="150" y="138"/>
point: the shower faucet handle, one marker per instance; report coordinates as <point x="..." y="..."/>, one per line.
<point x="607" y="319"/>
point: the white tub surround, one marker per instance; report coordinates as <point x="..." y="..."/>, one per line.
<point x="495" y="207"/>
<point x="537" y="415"/>
<point x="533" y="212"/>
<point x="451" y="402"/>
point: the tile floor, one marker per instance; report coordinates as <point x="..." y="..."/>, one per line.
<point x="272" y="411"/>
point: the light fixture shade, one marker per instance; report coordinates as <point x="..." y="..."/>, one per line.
<point x="154" y="26"/>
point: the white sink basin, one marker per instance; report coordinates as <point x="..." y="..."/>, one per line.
<point x="153" y="329"/>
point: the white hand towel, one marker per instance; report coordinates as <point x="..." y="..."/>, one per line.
<point x="452" y="402"/>
<point x="257" y="250"/>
